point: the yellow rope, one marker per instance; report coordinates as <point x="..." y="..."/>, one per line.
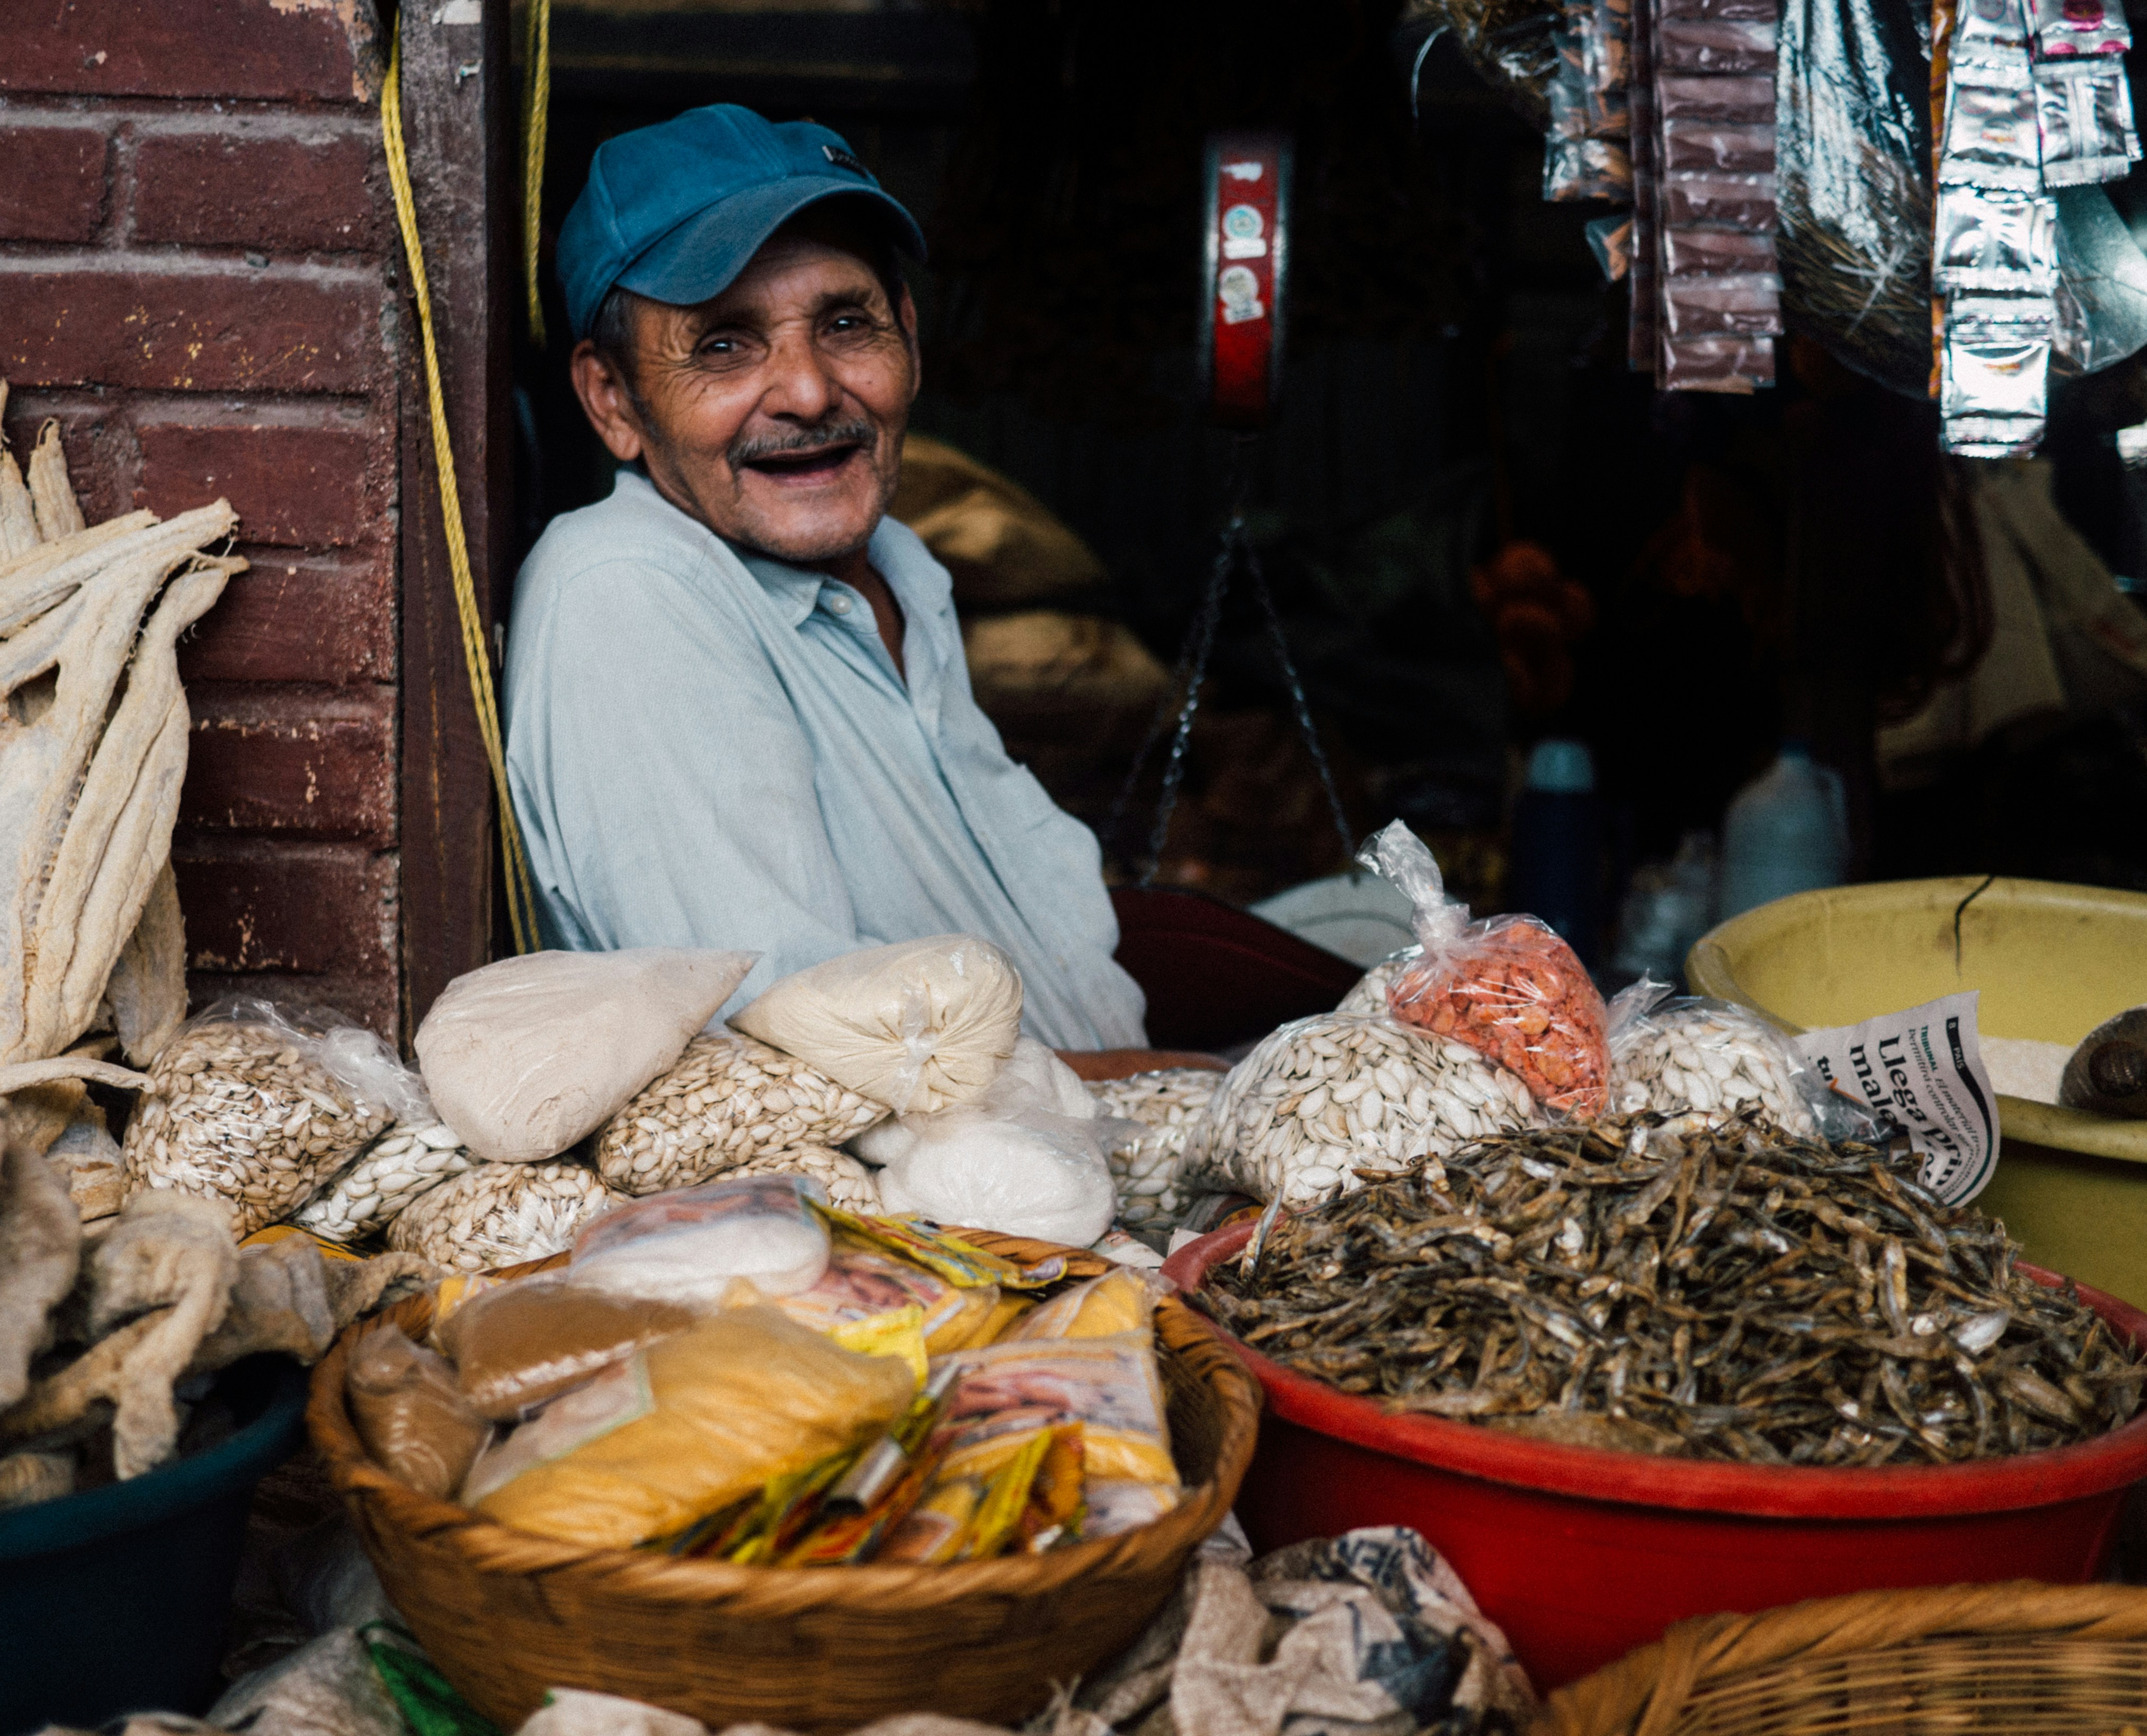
<point x="521" y="914"/>
<point x="536" y="102"/>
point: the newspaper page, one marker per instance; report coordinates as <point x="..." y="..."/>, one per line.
<point x="1921" y="1070"/>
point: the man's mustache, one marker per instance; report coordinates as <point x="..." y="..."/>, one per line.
<point x="857" y="431"/>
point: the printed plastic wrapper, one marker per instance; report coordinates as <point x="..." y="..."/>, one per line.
<point x="527" y="1055"/>
<point x="1029" y="1503"/>
<point x="1025" y="1159"/>
<point x="1712" y="1059"/>
<point x="961" y="1262"/>
<point x="862" y="1284"/>
<point x="410" y="1414"/>
<point x="1009" y="1391"/>
<point x="1854" y="183"/>
<point x="921" y="1025"/>
<point x="684" y="1428"/>
<point x="1115" y="1504"/>
<point x="517" y="1346"/>
<point x="693" y="1245"/>
<point x="2066" y="28"/>
<point x="1508" y="986"/>
<point x="257" y="1104"/>
<point x="1116" y="1302"/>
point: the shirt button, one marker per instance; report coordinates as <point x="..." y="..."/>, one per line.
<point x="839" y="603"/>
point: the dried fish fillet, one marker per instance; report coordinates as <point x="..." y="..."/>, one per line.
<point x="147" y="991"/>
<point x="59" y="514"/>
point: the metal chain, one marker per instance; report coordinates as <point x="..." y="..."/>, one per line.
<point x="1191" y="674"/>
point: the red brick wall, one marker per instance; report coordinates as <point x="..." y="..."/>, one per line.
<point x="197" y="278"/>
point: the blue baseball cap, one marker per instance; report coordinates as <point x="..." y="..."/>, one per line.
<point x="674" y="212"/>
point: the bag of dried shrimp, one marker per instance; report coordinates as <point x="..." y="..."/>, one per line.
<point x="1507" y="986"/>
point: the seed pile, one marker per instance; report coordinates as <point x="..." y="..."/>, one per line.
<point x="1146" y="1167"/>
<point x="1709" y="1059"/>
<point x="1731" y="1293"/>
<point x="240" y="1112"/>
<point x="1322" y="1101"/>
<point x="497" y="1214"/>
<point x="851" y="1187"/>
<point x="367" y="1196"/>
<point x="729" y="1102"/>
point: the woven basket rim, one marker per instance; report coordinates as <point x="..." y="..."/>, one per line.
<point x="500" y="1548"/>
<point x="1644" y="1691"/>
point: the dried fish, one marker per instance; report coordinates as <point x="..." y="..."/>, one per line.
<point x="1732" y="1292"/>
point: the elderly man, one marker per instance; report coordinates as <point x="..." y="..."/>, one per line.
<point x="737" y="710"/>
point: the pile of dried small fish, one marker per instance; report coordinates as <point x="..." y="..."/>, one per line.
<point x="1734" y="1294"/>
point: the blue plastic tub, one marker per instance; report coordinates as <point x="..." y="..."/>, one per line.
<point x="116" y="1600"/>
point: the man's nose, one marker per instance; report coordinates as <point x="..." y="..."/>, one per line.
<point x="801" y="385"/>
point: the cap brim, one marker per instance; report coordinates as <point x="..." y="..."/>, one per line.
<point x="703" y="256"/>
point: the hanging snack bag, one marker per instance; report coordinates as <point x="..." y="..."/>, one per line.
<point x="1508" y="985"/>
<point x="729" y="1102"/>
<point x="686" y="1427"/>
<point x="691" y="1245"/>
<point x="256" y="1104"/>
<point x="410" y="1414"/>
<point x="918" y="1026"/>
<point x="515" y="1346"/>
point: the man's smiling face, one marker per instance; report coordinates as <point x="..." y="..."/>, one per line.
<point x="773" y="413"/>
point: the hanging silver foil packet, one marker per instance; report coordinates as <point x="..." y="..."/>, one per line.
<point x="1989" y="28"/>
<point x="1746" y="100"/>
<point x="1991" y="135"/>
<point x="1689" y="251"/>
<point x="1728" y="11"/>
<point x="1991" y="437"/>
<point x="1996" y="240"/>
<point x="1708" y="146"/>
<point x="1716" y="45"/>
<point x="2084" y="118"/>
<point x="1996" y="360"/>
<point x="1734" y="201"/>
<point x="2081" y="27"/>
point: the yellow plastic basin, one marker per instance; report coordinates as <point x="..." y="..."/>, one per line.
<point x="2052" y="961"/>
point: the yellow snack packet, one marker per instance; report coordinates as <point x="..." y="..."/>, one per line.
<point x="898" y="1333"/>
<point x="937" y="1527"/>
<point x="938" y="1250"/>
<point x="1009" y="1312"/>
<point x="1008" y="1393"/>
<point x="863" y="1283"/>
<point x="685" y="1428"/>
<point x="1119" y="1301"/>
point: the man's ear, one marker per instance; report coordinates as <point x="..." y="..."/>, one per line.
<point x="906" y="313"/>
<point x="607" y="401"/>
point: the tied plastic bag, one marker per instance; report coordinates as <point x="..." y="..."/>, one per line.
<point x="525" y="1056"/>
<point x="410" y="1414"/>
<point x="691" y="1246"/>
<point x="1507" y="986"/>
<point x="686" y="1427"/>
<point x="1709" y="1058"/>
<point x="256" y="1103"/>
<point x="919" y="1027"/>
<point x="1025" y="1159"/>
<point x="516" y="1346"/>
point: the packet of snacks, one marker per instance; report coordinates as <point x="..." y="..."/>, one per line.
<point x="1507" y="986"/>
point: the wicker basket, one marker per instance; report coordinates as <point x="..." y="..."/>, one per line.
<point x="2056" y="1660"/>
<point x="506" y="1615"/>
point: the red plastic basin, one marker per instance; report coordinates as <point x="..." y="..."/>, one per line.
<point x="1582" y="1554"/>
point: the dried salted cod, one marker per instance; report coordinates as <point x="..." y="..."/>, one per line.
<point x="59" y="514"/>
<point x="18" y="516"/>
<point x="40" y="1248"/>
<point x="118" y="838"/>
<point x="47" y="765"/>
<point x="147" y="989"/>
<point x="24" y="595"/>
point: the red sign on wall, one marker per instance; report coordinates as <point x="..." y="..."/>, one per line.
<point x="1241" y="320"/>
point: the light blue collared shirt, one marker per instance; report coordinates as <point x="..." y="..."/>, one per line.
<point x="713" y="749"/>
